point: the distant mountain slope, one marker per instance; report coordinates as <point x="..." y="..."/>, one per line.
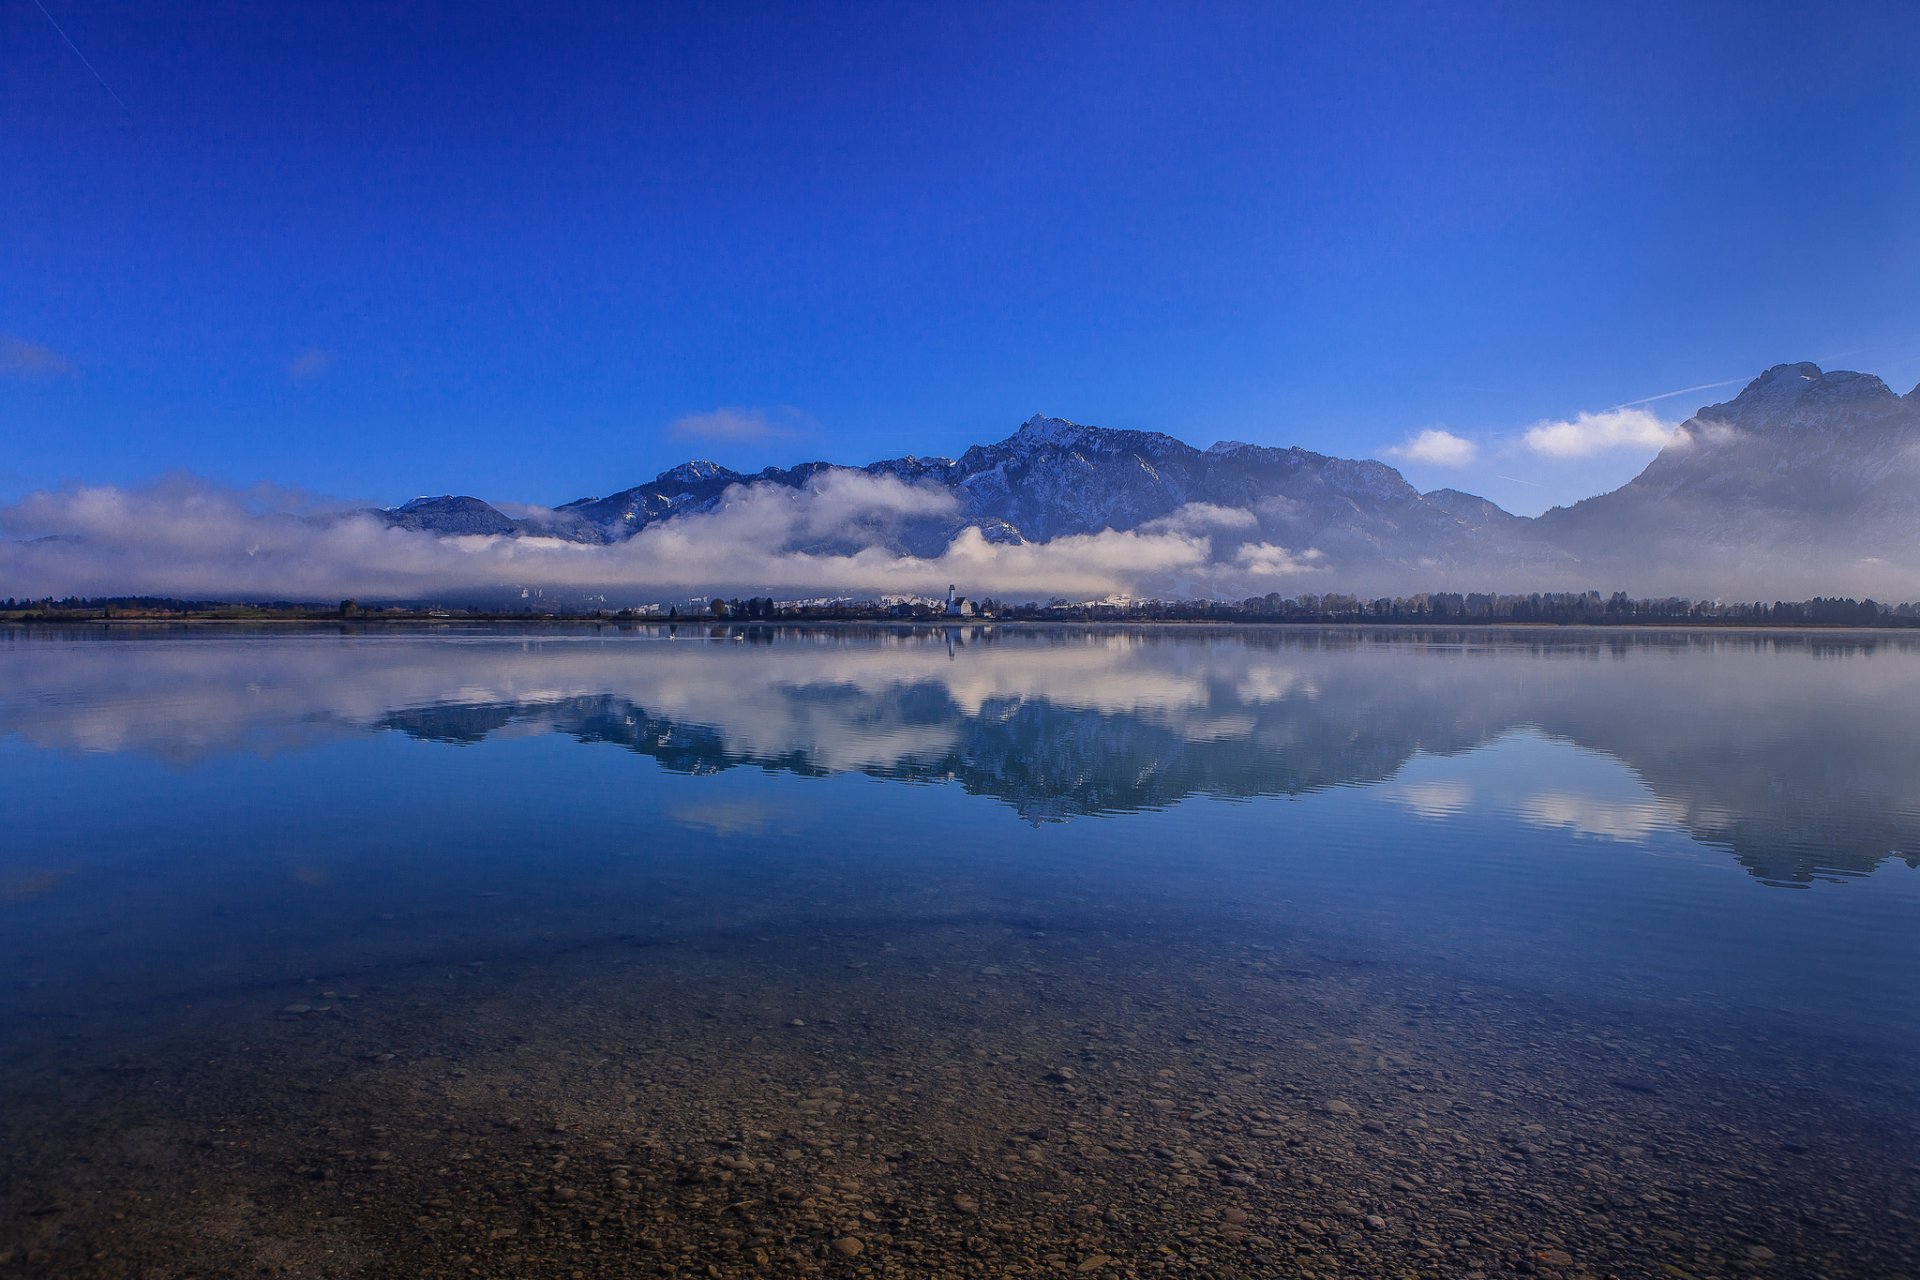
<point x="450" y="515"/>
<point x="1802" y="479"/>
<point x="1475" y="510"/>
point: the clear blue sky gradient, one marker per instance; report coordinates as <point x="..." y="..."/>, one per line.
<point x="379" y="250"/>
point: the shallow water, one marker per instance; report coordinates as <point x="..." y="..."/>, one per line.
<point x="612" y="951"/>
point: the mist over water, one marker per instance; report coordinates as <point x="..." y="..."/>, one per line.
<point x="540" y="948"/>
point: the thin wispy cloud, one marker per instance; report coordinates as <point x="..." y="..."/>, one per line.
<point x="1589" y="434"/>
<point x="309" y="364"/>
<point x="21" y="359"/>
<point x="62" y="31"/>
<point x="739" y="424"/>
<point x="1683" y="391"/>
<point x="1436" y="448"/>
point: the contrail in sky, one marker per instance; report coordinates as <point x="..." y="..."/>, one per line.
<point x="1668" y="395"/>
<point x="76" y="53"/>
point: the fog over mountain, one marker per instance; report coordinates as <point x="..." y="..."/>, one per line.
<point x="1806" y="478"/>
<point x="1807" y="483"/>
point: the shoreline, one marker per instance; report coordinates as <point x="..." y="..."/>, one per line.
<point x="124" y="620"/>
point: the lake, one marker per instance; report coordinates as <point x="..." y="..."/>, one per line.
<point x="598" y="950"/>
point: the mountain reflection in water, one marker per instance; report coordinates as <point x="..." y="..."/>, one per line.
<point x="1793" y="752"/>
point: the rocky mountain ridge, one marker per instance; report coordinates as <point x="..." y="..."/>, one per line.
<point x="1808" y="471"/>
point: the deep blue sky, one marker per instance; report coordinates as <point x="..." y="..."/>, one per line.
<point x="382" y="249"/>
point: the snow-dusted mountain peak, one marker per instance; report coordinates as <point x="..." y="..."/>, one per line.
<point x="1794" y="386"/>
<point x="1040" y="429"/>
<point x="694" y="471"/>
<point x="1785" y="378"/>
<point x="449" y="513"/>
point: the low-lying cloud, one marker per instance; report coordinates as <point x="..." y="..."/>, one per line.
<point x="842" y="533"/>
<point x="1594" y="433"/>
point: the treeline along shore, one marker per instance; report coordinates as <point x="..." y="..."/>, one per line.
<point x="1588" y="608"/>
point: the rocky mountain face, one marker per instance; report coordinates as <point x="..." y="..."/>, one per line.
<point x="1802" y="473"/>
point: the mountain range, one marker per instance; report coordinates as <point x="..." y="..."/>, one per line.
<point x="1807" y="482"/>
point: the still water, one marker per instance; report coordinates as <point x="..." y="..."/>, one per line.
<point x="603" y="951"/>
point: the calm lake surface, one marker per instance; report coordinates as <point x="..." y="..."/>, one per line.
<point x="603" y="951"/>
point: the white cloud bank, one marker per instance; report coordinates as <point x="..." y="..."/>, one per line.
<point x="189" y="539"/>
<point x="1437" y="448"/>
<point x="1595" y="433"/>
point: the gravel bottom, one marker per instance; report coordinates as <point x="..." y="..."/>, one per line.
<point x="993" y="1097"/>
